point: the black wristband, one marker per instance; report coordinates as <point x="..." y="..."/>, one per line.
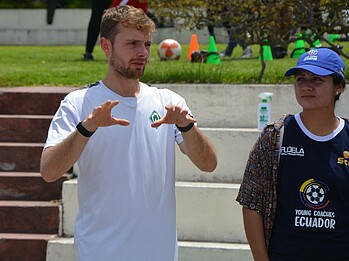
<point x="185" y="129"/>
<point x="83" y="131"/>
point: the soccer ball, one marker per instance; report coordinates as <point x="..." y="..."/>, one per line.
<point x="315" y="194"/>
<point x="169" y="49"/>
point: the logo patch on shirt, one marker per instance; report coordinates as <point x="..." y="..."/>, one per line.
<point x="345" y="159"/>
<point x="313" y="194"/>
<point x="292" y="151"/>
<point x="154" y="116"/>
<point x="346" y="154"/>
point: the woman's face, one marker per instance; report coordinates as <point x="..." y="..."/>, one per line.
<point x="314" y="92"/>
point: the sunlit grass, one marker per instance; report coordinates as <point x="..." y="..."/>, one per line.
<point x="63" y="66"/>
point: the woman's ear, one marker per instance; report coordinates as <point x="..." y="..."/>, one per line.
<point x="339" y="88"/>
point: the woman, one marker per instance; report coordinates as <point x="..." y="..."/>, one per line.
<point x="295" y="188"/>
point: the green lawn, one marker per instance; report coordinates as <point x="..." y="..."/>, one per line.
<point x="62" y="66"/>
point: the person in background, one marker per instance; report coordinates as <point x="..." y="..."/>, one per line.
<point x="236" y="32"/>
<point x="122" y="134"/>
<point x="212" y="16"/>
<point x="98" y="7"/>
<point x="294" y="191"/>
<point x="143" y="4"/>
<point x="221" y="11"/>
<point x="234" y="39"/>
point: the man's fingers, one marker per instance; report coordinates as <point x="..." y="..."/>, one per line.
<point x="175" y="109"/>
<point x="122" y="122"/>
<point x="108" y="105"/>
<point x="113" y="103"/>
<point x="191" y="119"/>
<point x="157" y="123"/>
<point x="174" y="115"/>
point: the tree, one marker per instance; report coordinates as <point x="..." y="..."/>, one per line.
<point x="266" y="22"/>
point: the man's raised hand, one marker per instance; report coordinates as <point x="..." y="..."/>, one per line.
<point x="175" y="115"/>
<point x="101" y="116"/>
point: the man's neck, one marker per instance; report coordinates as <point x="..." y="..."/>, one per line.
<point x="124" y="87"/>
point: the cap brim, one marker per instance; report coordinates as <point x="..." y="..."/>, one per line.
<point x="311" y="68"/>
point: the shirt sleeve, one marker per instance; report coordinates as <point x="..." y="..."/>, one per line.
<point x="181" y="103"/>
<point x="63" y="123"/>
<point x="255" y="183"/>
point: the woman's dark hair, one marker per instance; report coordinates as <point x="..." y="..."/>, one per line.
<point x="338" y="80"/>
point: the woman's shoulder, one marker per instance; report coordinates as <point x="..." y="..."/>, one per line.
<point x="279" y="123"/>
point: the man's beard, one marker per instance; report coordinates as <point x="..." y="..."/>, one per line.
<point x="120" y="67"/>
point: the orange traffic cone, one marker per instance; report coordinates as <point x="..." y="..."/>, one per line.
<point x="194" y="45"/>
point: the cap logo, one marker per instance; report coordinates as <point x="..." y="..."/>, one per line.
<point x="312" y="56"/>
<point x="323" y="62"/>
<point x="341" y="71"/>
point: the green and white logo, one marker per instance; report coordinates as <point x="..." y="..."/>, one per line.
<point x="154" y="116"/>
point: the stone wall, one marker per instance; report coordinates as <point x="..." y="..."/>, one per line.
<point x="69" y="27"/>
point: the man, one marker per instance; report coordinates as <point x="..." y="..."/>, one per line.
<point x="122" y="134"/>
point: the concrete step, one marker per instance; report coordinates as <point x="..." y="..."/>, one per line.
<point x="62" y="249"/>
<point x="30" y="208"/>
<point x="208" y="251"/>
<point x="24" y="128"/>
<point x="205" y="211"/>
<point x="208" y="212"/>
<point x="232" y="145"/>
<point x="20" y="157"/>
<point x="31" y="100"/>
<point x="69" y="27"/>
<point x="38" y="217"/>
<point x="29" y="186"/>
<point x="24" y="247"/>
<point x="235" y="105"/>
<point x="213" y="105"/>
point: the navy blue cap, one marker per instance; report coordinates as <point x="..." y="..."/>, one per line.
<point x="322" y="62"/>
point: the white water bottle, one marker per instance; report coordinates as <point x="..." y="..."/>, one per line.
<point x="264" y="109"/>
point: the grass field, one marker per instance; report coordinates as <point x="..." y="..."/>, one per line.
<point x="63" y="66"/>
